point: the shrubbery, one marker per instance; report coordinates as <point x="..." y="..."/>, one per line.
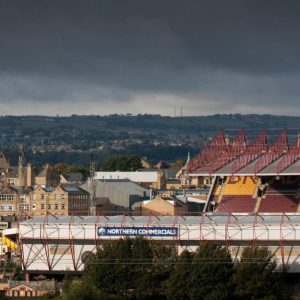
<point x="136" y="269"/>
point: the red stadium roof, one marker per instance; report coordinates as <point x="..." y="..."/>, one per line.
<point x="269" y="152"/>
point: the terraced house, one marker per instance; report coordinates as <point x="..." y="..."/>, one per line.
<point x="9" y="199"/>
<point x="65" y="199"/>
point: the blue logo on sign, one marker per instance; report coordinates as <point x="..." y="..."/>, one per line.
<point x="101" y="231"/>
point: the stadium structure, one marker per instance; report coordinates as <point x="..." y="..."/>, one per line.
<point x="253" y="199"/>
<point x="259" y="174"/>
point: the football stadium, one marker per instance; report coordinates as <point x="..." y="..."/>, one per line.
<point x="253" y="181"/>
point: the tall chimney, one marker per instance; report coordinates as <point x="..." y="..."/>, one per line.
<point x="29" y="175"/>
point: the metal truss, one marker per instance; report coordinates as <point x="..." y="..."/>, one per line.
<point x="209" y="153"/>
<point x="278" y="148"/>
<point x="291" y="156"/>
<point x="253" y="150"/>
<point x="218" y="152"/>
<point x="230" y="152"/>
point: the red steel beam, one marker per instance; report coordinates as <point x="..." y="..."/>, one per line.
<point x="252" y="151"/>
<point x="45" y="241"/>
<point x="291" y="156"/>
<point x="279" y="147"/>
<point x="209" y="153"/>
<point x="282" y="240"/>
<point x="71" y="242"/>
<point x="230" y="152"/>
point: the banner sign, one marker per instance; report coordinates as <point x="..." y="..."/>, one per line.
<point x="138" y="231"/>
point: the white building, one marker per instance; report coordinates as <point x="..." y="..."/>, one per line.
<point x="57" y="244"/>
<point x="153" y="178"/>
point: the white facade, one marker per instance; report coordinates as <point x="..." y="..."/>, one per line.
<point x="60" y="243"/>
<point x="141" y="177"/>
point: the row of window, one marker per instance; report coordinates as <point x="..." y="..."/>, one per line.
<point x="80" y="205"/>
<point x="24" y="207"/>
<point x="62" y="196"/>
<point x="79" y="197"/>
<point x="11" y="197"/>
<point x="49" y="206"/>
<point x="6" y="207"/>
<point x="56" y="197"/>
<point x="6" y="197"/>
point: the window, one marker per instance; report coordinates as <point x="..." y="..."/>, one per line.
<point x="42" y="196"/>
<point x="24" y="207"/>
<point x="55" y="197"/>
<point x="62" y="206"/>
<point x="49" y="206"/>
<point x="56" y="206"/>
<point x="63" y="196"/>
<point x="34" y="206"/>
<point x="43" y="206"/>
<point x="7" y="197"/>
<point x="10" y="207"/>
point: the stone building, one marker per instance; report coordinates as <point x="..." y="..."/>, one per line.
<point x="9" y="199"/>
<point x="162" y="205"/>
<point x="65" y="199"/>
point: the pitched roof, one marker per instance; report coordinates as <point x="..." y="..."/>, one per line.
<point x="3" y="161"/>
<point x="72" y="177"/>
<point x="12" y="172"/>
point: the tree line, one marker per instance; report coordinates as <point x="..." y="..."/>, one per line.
<point x="138" y="269"/>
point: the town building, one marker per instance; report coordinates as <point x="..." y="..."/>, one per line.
<point x="114" y="195"/>
<point x="161" y="205"/>
<point x="65" y="199"/>
<point x="9" y="200"/>
<point x="149" y="179"/>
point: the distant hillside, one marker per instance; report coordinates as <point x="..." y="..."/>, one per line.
<point x="152" y="122"/>
<point x="74" y="138"/>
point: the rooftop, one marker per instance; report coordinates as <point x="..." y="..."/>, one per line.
<point x="235" y="152"/>
<point x="212" y="218"/>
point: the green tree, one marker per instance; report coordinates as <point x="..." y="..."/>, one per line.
<point x="85" y="290"/>
<point x="123" y="267"/>
<point x="256" y="276"/>
<point x="84" y="170"/>
<point x="177" y="286"/>
<point x="122" y="163"/>
<point x="110" y="268"/>
<point x="150" y="285"/>
<point x="61" y="168"/>
<point x="211" y="274"/>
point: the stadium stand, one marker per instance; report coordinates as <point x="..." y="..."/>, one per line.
<point x="281" y="196"/>
<point x="236" y="194"/>
<point x="257" y="172"/>
<point x="278" y="203"/>
<point x="240" y="185"/>
<point x="235" y="203"/>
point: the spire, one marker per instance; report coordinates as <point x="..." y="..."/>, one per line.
<point x="21" y="156"/>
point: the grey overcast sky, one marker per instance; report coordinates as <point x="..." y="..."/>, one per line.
<point x="100" y="57"/>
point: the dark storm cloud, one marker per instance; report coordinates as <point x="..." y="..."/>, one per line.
<point x="208" y="56"/>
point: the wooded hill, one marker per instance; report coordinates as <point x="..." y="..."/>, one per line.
<point x="72" y="139"/>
